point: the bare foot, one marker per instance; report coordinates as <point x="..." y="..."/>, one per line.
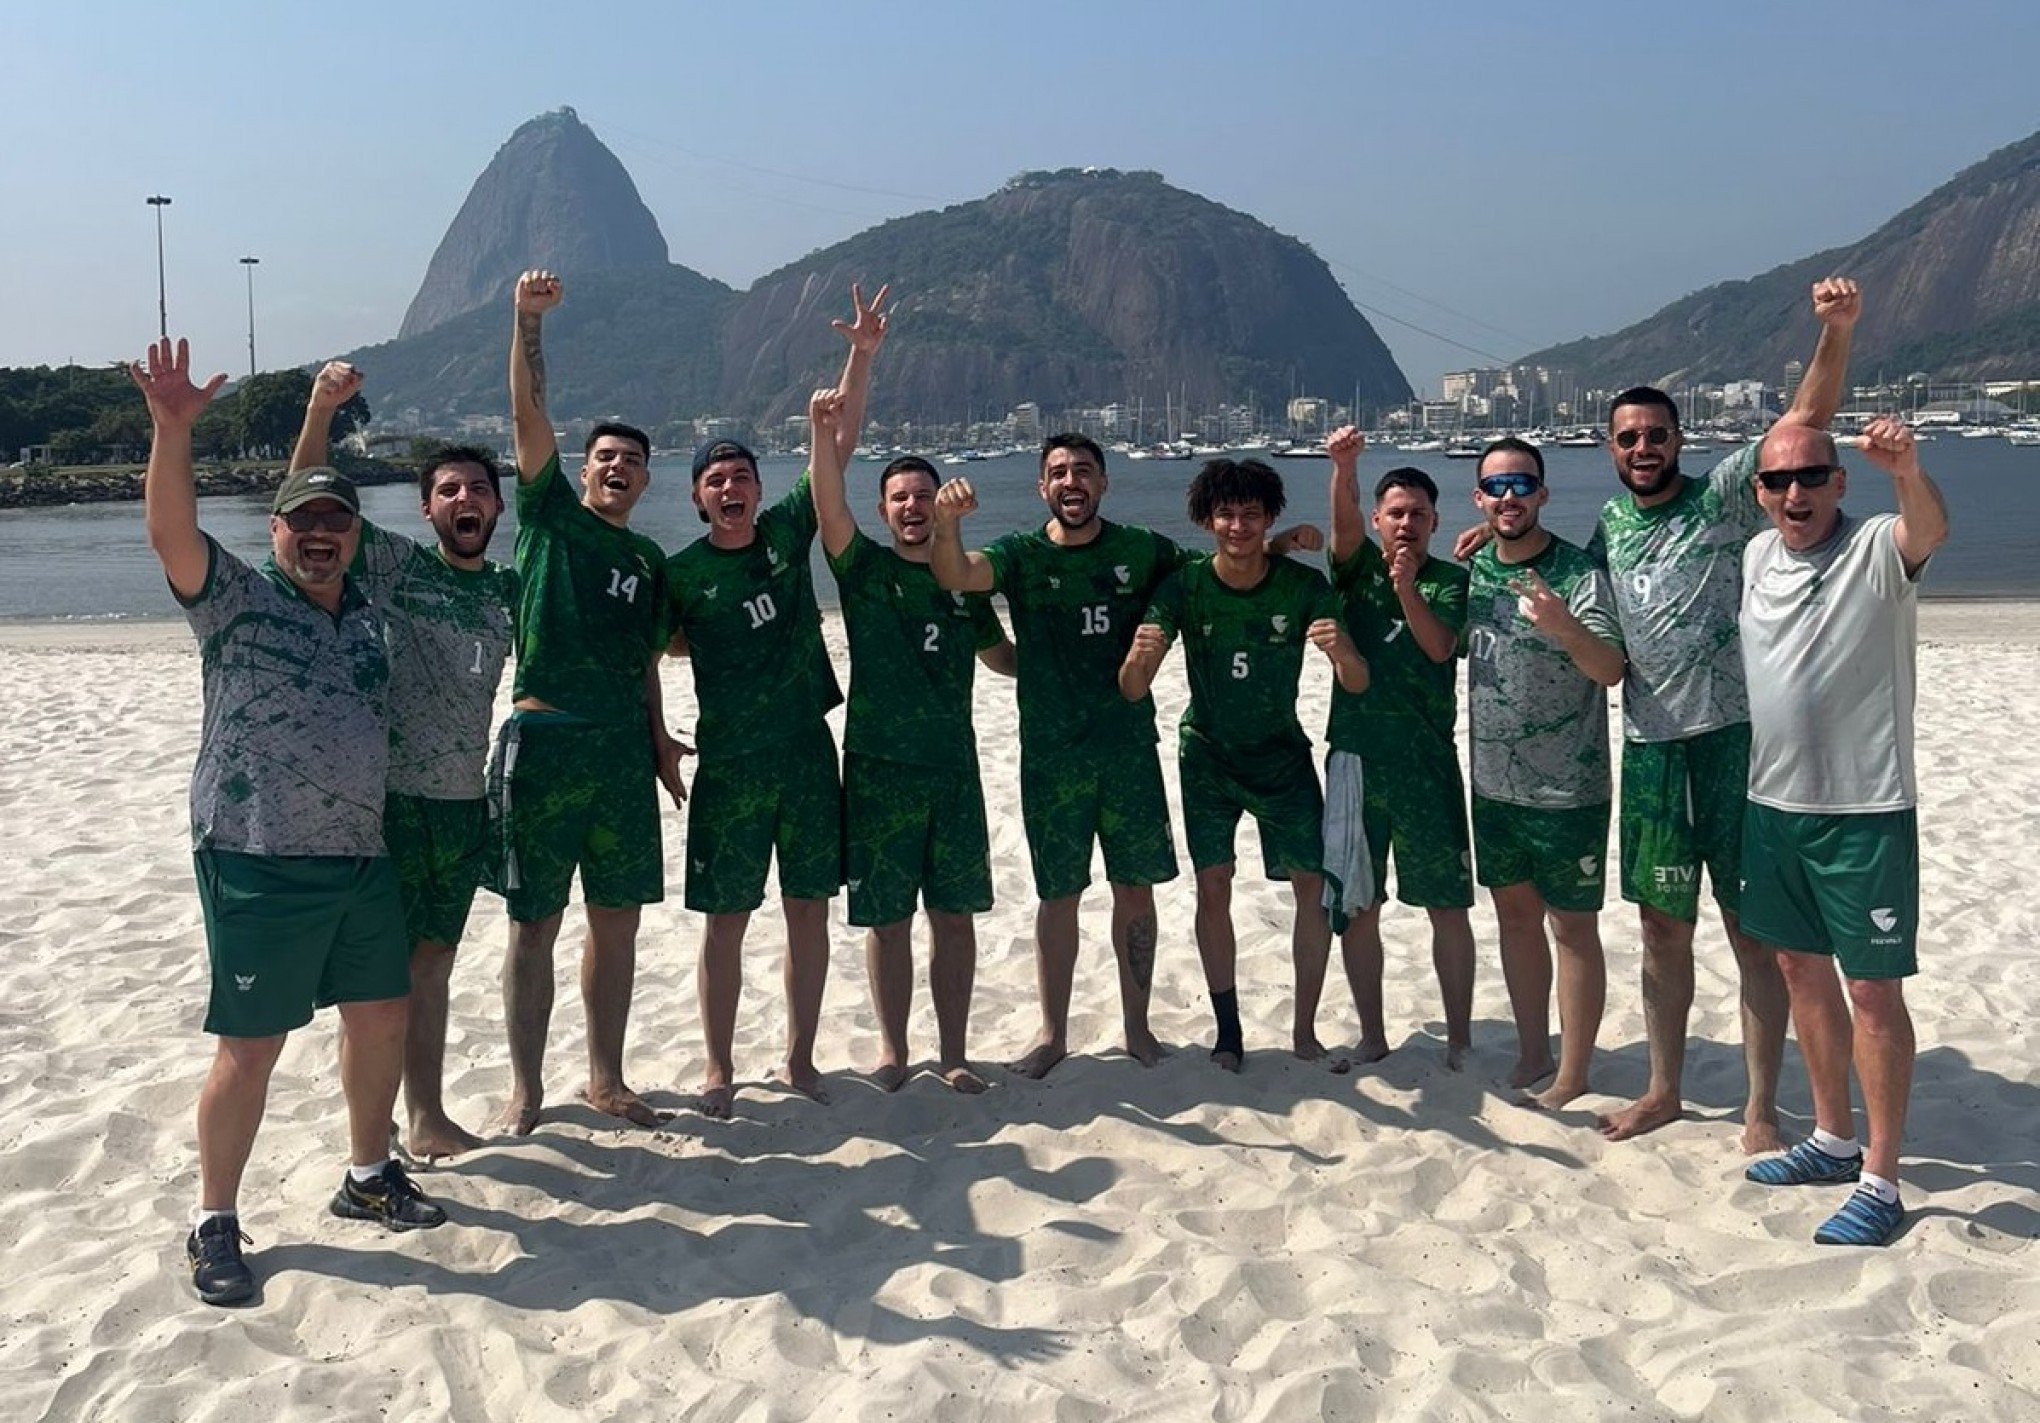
<point x="1762" y="1138"/>
<point x="1038" y="1061"/>
<point x="965" y="1080"/>
<point x="1226" y="1058"/>
<point x="434" y="1138"/>
<point x="518" y="1118"/>
<point x="1370" y="1049"/>
<point x="718" y="1101"/>
<point x="1645" y="1114"/>
<point x="1143" y="1048"/>
<point x="1528" y="1071"/>
<point x="889" y="1076"/>
<point x="1308" y="1049"/>
<point x="1455" y="1056"/>
<point x="1552" y="1097"/>
<point x="805" y="1081"/>
<point x="622" y="1103"/>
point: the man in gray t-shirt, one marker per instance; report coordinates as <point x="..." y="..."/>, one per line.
<point x="300" y="903"/>
<point x="451" y="616"/>
<point x="1831" y="869"/>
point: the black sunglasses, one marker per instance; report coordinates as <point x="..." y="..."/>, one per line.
<point x="331" y="521"/>
<point x="1813" y="476"/>
<point x="1510" y="485"/>
<point x="1656" y="434"/>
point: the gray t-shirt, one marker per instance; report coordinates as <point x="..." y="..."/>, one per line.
<point x="1676" y="573"/>
<point x="450" y="633"/>
<point x="1830" y="640"/>
<point x="1539" y="724"/>
<point x="294" y="740"/>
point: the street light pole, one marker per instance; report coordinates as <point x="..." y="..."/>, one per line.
<point x="250" y="264"/>
<point x="159" y="202"/>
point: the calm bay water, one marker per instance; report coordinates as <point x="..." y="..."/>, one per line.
<point x="89" y="561"/>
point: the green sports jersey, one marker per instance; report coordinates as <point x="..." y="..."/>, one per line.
<point x="1243" y="650"/>
<point x="1410" y="702"/>
<point x="754" y="633"/>
<point x="1540" y="725"/>
<point x="913" y="658"/>
<point x="1676" y="570"/>
<point x="592" y="615"/>
<point x="1074" y="610"/>
<point x="450" y="632"/>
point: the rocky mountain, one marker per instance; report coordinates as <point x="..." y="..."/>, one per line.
<point x="1079" y="286"/>
<point x="553" y="196"/>
<point x="1951" y="286"/>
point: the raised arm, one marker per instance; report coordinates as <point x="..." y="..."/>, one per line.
<point x="537" y="293"/>
<point x="1143" y="660"/>
<point x="825" y="465"/>
<point x="334" y="385"/>
<point x="1836" y="304"/>
<point x="169" y="497"/>
<point x="1922" y="514"/>
<point x="865" y="333"/>
<point x="1349" y="523"/>
<point x="955" y="569"/>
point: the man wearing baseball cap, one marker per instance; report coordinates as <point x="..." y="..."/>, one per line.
<point x="300" y="900"/>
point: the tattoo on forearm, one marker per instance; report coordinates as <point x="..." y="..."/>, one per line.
<point x="1140" y="951"/>
<point x="528" y="325"/>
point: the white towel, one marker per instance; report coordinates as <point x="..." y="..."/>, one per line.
<point x="1349" y="870"/>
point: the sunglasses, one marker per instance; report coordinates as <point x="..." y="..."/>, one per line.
<point x="1656" y="434"/>
<point x="1504" y="486"/>
<point x="1813" y="476"/>
<point x="328" y="521"/>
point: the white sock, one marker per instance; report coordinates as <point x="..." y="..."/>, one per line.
<point x="364" y="1174"/>
<point x="1842" y="1146"/>
<point x="1885" y="1191"/>
<point x="202" y="1215"/>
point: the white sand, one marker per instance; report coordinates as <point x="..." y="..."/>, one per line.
<point x="1112" y="1243"/>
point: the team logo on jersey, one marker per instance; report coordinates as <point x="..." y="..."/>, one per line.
<point x="855" y="885"/>
<point x="1053" y="581"/>
<point x="1590" y="865"/>
<point x="710" y="590"/>
<point x="1885" y="919"/>
<point x="956" y="598"/>
<point x="1207" y="629"/>
<point x="244" y="981"/>
<point x="1124" y="574"/>
<point x="772" y="557"/>
<point x="1281" y="622"/>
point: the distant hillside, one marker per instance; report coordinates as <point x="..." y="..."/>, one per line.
<point x="553" y="196"/>
<point x="1951" y="285"/>
<point x="1061" y="288"/>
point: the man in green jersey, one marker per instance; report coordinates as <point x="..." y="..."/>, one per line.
<point x="1405" y="611"/>
<point x="1542" y="647"/>
<point x="586" y="745"/>
<point x="914" y="808"/>
<point x="1672" y="546"/>
<point x="300" y="902"/>
<point x="1245" y="619"/>
<point x="1076" y="589"/>
<point x="743" y="612"/>
<point x="450" y="615"/>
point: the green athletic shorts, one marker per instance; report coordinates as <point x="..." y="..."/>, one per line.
<point x="782" y="799"/>
<point x="1682" y="807"/>
<point x="914" y="832"/>
<point x="575" y="795"/>
<point x="1068" y="799"/>
<point x="287" y="934"/>
<point x="1843" y="885"/>
<point x="1282" y="794"/>
<point x="1562" y="853"/>
<point x="1416" y="806"/>
<point x="441" y="850"/>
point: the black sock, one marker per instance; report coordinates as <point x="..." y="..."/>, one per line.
<point x="1226" y="1007"/>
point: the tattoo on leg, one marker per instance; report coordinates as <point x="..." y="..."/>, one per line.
<point x="1140" y="951"/>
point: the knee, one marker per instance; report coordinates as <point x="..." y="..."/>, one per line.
<point x="246" y="1057"/>
<point x="1214" y="886"/>
<point x="1880" y="1006"/>
<point x="1801" y="972"/>
<point x="1138" y="900"/>
<point x="1665" y="935"/>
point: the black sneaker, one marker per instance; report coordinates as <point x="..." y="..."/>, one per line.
<point x="217" y="1270"/>
<point x="391" y="1198"/>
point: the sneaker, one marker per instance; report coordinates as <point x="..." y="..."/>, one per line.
<point x="1864" y="1219"/>
<point x="217" y="1270"/>
<point x="1805" y="1165"/>
<point x="391" y="1198"/>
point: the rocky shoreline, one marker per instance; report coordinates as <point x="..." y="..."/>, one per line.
<point x="46" y="488"/>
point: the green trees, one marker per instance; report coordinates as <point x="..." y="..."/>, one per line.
<point x="89" y="415"/>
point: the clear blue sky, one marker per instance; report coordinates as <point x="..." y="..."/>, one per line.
<point x="1504" y="176"/>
